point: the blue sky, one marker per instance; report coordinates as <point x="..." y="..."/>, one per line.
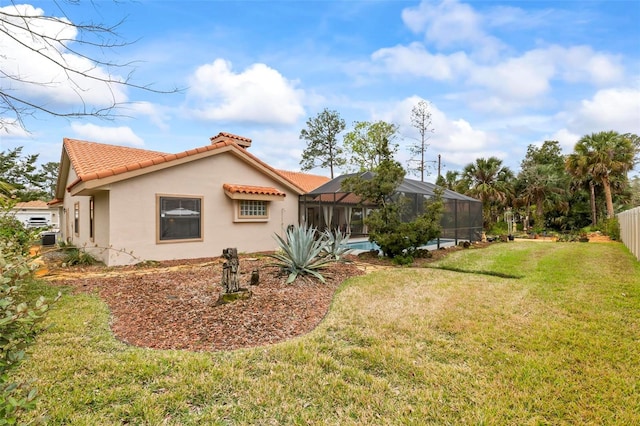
<point x="499" y="75"/>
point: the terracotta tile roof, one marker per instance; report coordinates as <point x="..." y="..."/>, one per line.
<point x="305" y="181"/>
<point x="223" y="136"/>
<point x="247" y="189"/>
<point x="31" y="204"/>
<point x="93" y="160"/>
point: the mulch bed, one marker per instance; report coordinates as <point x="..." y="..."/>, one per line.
<point x="163" y="308"/>
<point x="173" y="304"/>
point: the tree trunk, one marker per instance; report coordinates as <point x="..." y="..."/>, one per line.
<point x="592" y="195"/>
<point x="540" y="211"/>
<point x="422" y="162"/>
<point x="607" y="195"/>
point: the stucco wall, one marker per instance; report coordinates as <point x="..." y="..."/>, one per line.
<point x="133" y="214"/>
<point x="80" y="237"/>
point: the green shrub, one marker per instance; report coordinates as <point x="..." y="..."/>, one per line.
<point x="398" y="237"/>
<point x="76" y="256"/>
<point x="611" y="227"/>
<point x="499" y="228"/>
<point x="402" y="259"/>
<point x="19" y="325"/>
<point x="12" y="230"/>
<point x="302" y="253"/>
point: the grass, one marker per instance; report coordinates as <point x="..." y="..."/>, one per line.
<point x="551" y="337"/>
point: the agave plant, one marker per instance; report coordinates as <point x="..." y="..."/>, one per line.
<point x="301" y="253"/>
<point x="336" y="244"/>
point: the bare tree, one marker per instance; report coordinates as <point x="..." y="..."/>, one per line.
<point x="51" y="65"/>
<point x="421" y="120"/>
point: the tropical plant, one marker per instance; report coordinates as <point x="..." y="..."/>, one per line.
<point x="451" y="180"/>
<point x="543" y="182"/>
<point x="301" y="253"/>
<point x="76" y="256"/>
<point x="336" y="244"/>
<point x="491" y="182"/>
<point x="599" y="157"/>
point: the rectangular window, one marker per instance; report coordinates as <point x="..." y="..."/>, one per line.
<point x="76" y="219"/>
<point x="250" y="209"/>
<point x="91" y="221"/>
<point x="179" y="218"/>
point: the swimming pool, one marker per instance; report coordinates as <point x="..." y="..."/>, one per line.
<point x="368" y="245"/>
<point x="363" y="245"/>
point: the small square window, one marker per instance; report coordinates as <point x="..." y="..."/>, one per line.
<point x="250" y="209"/>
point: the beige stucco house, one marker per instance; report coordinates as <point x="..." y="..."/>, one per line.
<point x="125" y="205"/>
<point x="37" y="214"/>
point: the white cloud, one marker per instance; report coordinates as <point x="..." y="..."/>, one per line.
<point x="566" y="138"/>
<point x="524" y="77"/>
<point x="451" y="24"/>
<point x="508" y="85"/>
<point x="36" y="64"/>
<point x="494" y="81"/>
<point x="156" y="114"/>
<point x="615" y="109"/>
<point x="610" y="109"/>
<point x="279" y="149"/>
<point x="10" y="128"/>
<point x="417" y="61"/>
<point x="122" y="135"/>
<point x="259" y="94"/>
<point x="456" y="139"/>
<point x="583" y="64"/>
<point x="530" y="75"/>
<point x="446" y="23"/>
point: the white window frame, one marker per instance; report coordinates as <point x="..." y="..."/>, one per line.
<point x="241" y="205"/>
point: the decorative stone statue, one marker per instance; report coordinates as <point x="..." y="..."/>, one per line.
<point x="230" y="282"/>
<point x="231" y="290"/>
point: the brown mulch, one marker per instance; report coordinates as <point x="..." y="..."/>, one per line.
<point x="173" y="305"/>
<point x="598" y="237"/>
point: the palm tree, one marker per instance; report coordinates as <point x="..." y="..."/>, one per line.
<point x="451" y="180"/>
<point x="490" y="182"/>
<point x="542" y="186"/>
<point x="601" y="156"/>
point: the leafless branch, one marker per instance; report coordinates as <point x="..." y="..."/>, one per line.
<point x="55" y="49"/>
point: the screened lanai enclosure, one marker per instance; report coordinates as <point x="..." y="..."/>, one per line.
<point x="330" y="207"/>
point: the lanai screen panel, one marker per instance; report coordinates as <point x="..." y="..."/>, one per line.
<point x="328" y="206"/>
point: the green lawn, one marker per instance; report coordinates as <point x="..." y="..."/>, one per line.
<point x="519" y="333"/>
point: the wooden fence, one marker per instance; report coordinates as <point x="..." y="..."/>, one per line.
<point x="630" y="230"/>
